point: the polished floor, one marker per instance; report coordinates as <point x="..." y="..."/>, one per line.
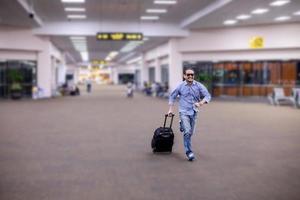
<point x="97" y="146"/>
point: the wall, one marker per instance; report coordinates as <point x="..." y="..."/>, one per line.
<point x="16" y="43"/>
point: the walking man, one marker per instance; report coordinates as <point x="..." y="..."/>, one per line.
<point x="193" y="95"/>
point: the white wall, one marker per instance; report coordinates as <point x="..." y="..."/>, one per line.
<point x="16" y="43"/>
<point x="275" y="36"/>
<point x="281" y="41"/>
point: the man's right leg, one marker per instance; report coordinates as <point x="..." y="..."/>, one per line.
<point x="187" y="134"/>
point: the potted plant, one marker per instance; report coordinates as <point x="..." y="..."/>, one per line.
<point x="205" y="79"/>
<point x="15" y="78"/>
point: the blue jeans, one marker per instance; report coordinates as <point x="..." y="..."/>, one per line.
<point x="188" y="125"/>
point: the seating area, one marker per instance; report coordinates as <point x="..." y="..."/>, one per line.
<point x="278" y="97"/>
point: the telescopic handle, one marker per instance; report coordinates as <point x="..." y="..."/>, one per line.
<point x="166" y="116"/>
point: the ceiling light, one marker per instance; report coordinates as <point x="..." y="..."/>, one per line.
<point x="297" y="13"/>
<point x="73" y="1"/>
<point x="282" y="18"/>
<point x="259" y="11"/>
<point x="149" y="17"/>
<point x="230" y="22"/>
<point x="134" y="60"/>
<point x="156" y="10"/>
<point x="76" y="16"/>
<point x="130" y="46"/>
<point x="164" y="2"/>
<point x="279" y="2"/>
<point x="243" y="17"/>
<point x="75" y="9"/>
<point x="77" y="38"/>
<point x="84" y="55"/>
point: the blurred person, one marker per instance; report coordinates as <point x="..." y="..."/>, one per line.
<point x="89" y="85"/>
<point x="190" y="92"/>
<point x="129" y="89"/>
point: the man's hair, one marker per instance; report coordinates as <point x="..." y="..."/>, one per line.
<point x="189" y="69"/>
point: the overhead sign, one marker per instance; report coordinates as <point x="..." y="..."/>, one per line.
<point x="120" y="36"/>
<point x="257" y="42"/>
<point x="99" y="62"/>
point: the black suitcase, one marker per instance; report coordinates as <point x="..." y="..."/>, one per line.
<point x="163" y="137"/>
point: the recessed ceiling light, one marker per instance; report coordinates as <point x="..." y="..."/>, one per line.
<point x="282" y="18"/>
<point x="149" y="17"/>
<point x="279" y="2"/>
<point x="73" y="1"/>
<point x="164" y="2"/>
<point x="75" y="9"/>
<point x="230" y="22"/>
<point x="76" y="16"/>
<point x="243" y="17"/>
<point x="259" y="11"/>
<point x="297" y="13"/>
<point x="156" y="10"/>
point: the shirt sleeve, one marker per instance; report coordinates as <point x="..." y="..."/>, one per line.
<point x="173" y="95"/>
<point x="204" y="92"/>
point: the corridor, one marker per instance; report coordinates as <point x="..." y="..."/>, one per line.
<point x="97" y="146"/>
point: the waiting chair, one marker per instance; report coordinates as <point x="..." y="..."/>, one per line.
<point x="278" y="96"/>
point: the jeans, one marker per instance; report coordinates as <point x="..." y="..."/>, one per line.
<point x="188" y="125"/>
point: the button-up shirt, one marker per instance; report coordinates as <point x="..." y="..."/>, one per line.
<point x="189" y="95"/>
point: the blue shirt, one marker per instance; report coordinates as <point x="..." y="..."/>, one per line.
<point x="189" y="95"/>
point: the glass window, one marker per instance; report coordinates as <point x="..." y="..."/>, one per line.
<point x="218" y="73"/>
<point x="231" y="73"/>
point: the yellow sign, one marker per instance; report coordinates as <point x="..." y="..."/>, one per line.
<point x="119" y="36"/>
<point x="99" y="62"/>
<point x="257" y="42"/>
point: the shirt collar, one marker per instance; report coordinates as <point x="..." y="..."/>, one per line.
<point x="185" y="82"/>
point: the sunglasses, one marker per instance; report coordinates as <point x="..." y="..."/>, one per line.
<point x="189" y="74"/>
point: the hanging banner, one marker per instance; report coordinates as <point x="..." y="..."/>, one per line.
<point x="257" y="42"/>
<point x="120" y="36"/>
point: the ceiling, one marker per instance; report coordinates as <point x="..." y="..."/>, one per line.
<point x="116" y="15"/>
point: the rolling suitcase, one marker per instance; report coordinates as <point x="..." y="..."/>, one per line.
<point x="163" y="137"/>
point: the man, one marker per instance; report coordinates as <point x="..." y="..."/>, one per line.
<point x="190" y="92"/>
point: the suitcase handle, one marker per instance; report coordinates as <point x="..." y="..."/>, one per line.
<point x="166" y="116"/>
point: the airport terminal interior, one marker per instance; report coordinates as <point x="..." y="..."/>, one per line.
<point x="84" y="84"/>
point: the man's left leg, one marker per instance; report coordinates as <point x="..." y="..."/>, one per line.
<point x="193" y="118"/>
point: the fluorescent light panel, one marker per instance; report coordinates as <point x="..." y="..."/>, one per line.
<point x="84" y="55"/>
<point x="279" y="2"/>
<point x="76" y="16"/>
<point x="156" y="10"/>
<point x="243" y="17"/>
<point x="130" y="46"/>
<point x="297" y="13"/>
<point x="230" y="22"/>
<point x="75" y="9"/>
<point x="134" y="60"/>
<point x="73" y="1"/>
<point x="259" y="11"/>
<point x="283" y="18"/>
<point x="149" y="17"/>
<point x="164" y="2"/>
<point x="77" y="38"/>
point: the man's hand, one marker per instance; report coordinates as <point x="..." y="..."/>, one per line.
<point x="198" y="104"/>
<point x="170" y="112"/>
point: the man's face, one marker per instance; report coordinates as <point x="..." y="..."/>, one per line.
<point x="189" y="75"/>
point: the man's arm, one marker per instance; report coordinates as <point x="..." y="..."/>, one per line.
<point x="172" y="99"/>
<point x="205" y="93"/>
